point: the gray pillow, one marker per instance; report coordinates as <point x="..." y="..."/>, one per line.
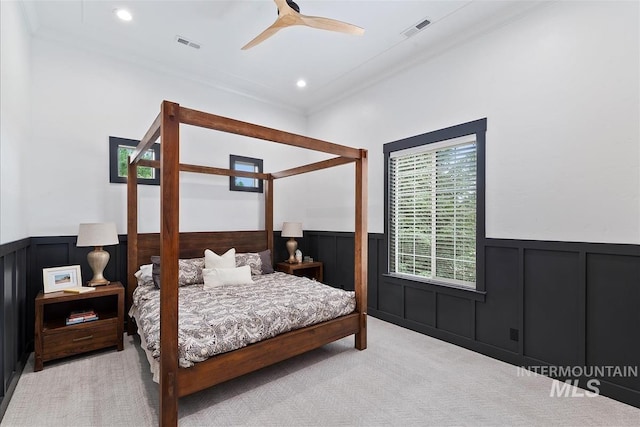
<point x="155" y="270"/>
<point x="265" y="257"/>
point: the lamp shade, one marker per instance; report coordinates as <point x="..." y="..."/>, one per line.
<point x="292" y="229"/>
<point x="97" y="234"/>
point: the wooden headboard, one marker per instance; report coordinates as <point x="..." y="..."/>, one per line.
<point x="192" y="245"/>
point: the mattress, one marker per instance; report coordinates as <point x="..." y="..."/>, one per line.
<point x="225" y="318"/>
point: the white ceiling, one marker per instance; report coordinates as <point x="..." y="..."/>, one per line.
<point x="333" y="64"/>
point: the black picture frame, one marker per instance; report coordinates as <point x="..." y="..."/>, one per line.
<point x="247" y="164"/>
<point x="115" y="143"/>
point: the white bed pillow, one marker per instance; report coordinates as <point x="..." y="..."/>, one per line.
<point x="226" y="260"/>
<point x="226" y="276"/>
<point x="145" y="273"/>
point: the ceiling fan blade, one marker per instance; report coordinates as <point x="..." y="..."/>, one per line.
<point x="331" y="25"/>
<point x="263" y="35"/>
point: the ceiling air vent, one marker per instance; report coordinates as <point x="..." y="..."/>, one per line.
<point x="415" y="29"/>
<point x="187" y="42"/>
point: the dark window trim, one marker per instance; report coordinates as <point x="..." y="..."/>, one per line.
<point x="232" y="179"/>
<point x="114" y="143"/>
<point x="477" y="128"/>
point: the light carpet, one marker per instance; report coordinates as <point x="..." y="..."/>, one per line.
<point x="403" y="378"/>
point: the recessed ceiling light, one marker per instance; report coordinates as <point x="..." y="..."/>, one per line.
<point x="123" y="14"/>
<point x="301" y="83"/>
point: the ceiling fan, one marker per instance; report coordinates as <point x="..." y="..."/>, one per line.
<point x="289" y="15"/>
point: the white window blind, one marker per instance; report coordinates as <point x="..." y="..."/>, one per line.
<point x="432" y="215"/>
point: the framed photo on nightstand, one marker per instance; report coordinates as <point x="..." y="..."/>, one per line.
<point x="59" y="278"/>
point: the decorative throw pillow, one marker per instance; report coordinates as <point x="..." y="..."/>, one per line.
<point x="226" y="276"/>
<point x="189" y="271"/>
<point x="265" y="257"/>
<point x="226" y="260"/>
<point x="253" y="260"/>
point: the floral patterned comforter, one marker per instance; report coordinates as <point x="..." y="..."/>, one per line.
<point x="225" y="318"/>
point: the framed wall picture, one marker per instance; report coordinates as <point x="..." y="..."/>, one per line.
<point x="60" y="278"/>
<point x="119" y="151"/>
<point x="246" y="164"/>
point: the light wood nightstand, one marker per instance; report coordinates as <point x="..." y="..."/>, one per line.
<point x="312" y="270"/>
<point x="54" y="339"/>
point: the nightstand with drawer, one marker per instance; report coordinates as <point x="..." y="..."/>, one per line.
<point x="312" y="270"/>
<point x="55" y="339"/>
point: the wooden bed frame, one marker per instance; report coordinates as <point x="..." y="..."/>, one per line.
<point x="176" y="382"/>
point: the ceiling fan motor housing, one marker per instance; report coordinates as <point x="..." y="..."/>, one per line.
<point x="293" y="6"/>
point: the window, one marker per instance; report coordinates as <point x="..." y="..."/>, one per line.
<point x="433" y="201"/>
<point x="119" y="151"/>
<point x="245" y="164"/>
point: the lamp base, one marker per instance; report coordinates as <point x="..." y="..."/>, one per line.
<point x="292" y="246"/>
<point x="102" y="282"/>
<point x="98" y="259"/>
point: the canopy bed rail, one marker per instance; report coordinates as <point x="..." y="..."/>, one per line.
<point x="172" y="245"/>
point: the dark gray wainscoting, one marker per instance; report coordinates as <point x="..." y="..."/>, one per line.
<point x="545" y="304"/>
<point x="13" y="293"/>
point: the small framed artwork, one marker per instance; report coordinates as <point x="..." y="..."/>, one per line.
<point x="245" y="164"/>
<point x="119" y="151"/>
<point x="60" y="278"/>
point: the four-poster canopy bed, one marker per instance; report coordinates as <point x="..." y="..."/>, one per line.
<point x="172" y="245"/>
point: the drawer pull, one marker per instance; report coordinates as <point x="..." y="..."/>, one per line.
<point x="83" y="338"/>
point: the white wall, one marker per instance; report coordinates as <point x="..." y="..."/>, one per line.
<point x="560" y="90"/>
<point x="15" y="114"/>
<point x="80" y="98"/>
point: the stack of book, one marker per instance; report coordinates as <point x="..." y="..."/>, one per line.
<point x="81" y="316"/>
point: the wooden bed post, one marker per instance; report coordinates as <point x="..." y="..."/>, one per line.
<point x="132" y="238"/>
<point x="268" y="213"/>
<point x="169" y="237"/>
<point x="361" y="246"/>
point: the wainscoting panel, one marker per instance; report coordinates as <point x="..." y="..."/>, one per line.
<point x="551" y="306"/>
<point x="453" y="315"/>
<point x="326" y="252"/>
<point x="336" y="251"/>
<point x="391" y="298"/>
<point x="376" y="252"/>
<point x="9" y="355"/>
<point x="345" y="267"/>
<point x="613" y="314"/>
<point x="13" y="295"/>
<point x="498" y="318"/>
<point x="420" y="306"/>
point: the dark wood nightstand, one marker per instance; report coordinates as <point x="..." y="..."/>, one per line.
<point x="54" y="339"/>
<point x="312" y="270"/>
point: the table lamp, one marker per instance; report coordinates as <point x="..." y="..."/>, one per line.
<point x="97" y="235"/>
<point x="291" y="230"/>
